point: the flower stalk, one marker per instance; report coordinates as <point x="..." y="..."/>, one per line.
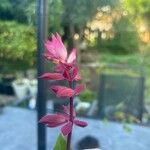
<point x="71" y="119"/>
<point x="65" y="69"/>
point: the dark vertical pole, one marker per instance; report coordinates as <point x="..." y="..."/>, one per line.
<point x="41" y="96"/>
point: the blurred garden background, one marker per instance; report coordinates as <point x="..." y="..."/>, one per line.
<point x="104" y="32"/>
<point x="113" y="42"/>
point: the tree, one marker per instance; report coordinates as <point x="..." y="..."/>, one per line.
<point x="65" y="16"/>
<point x="19" y="10"/>
<point x="17" y="49"/>
<point x="55" y="15"/>
<point x="77" y="13"/>
<point x="126" y="39"/>
<point x="139" y="9"/>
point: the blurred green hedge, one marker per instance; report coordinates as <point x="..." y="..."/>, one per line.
<point x="17" y="46"/>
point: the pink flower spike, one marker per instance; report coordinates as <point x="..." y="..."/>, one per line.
<point x="72" y="56"/>
<point x="52" y="76"/>
<point x="53" y="120"/>
<point x="79" y="89"/>
<point x="62" y="91"/>
<point x="80" y="123"/>
<point x="55" y="49"/>
<point x="67" y="128"/>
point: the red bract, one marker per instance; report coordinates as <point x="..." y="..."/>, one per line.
<point x="52" y="76"/>
<point x="56" y="51"/>
<point x="62" y="91"/>
<point x="53" y="120"/>
<point x="79" y="88"/>
<point x="70" y="73"/>
<point x="60" y="119"/>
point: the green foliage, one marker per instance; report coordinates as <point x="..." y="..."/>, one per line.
<point x="87" y="96"/>
<point x="5" y="10"/>
<point x="126" y="39"/>
<point x="60" y="12"/>
<point x="55" y="15"/>
<point x="19" y="10"/>
<point x="138" y="8"/>
<point x="17" y="46"/>
<point x="79" y="12"/>
<point x="60" y="143"/>
<point x="130" y="59"/>
<point x="126" y="118"/>
<point x="30" y="13"/>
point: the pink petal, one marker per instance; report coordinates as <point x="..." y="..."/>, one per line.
<point x="62" y="91"/>
<point x="52" y="76"/>
<point x="79" y="89"/>
<point x="55" y="49"/>
<point x="59" y="67"/>
<point x="60" y="48"/>
<point x="72" y="56"/>
<point x="53" y="120"/>
<point x="50" y="49"/>
<point x="67" y="128"/>
<point x="50" y="57"/>
<point x="80" y="123"/>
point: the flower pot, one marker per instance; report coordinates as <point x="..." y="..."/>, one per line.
<point x="21" y="88"/>
<point x="33" y="87"/>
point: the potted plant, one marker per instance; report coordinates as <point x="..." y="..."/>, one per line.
<point x="33" y="87"/>
<point x="20" y="87"/>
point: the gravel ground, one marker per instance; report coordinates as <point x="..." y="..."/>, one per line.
<point x="18" y="132"/>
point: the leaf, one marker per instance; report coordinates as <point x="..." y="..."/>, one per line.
<point x="61" y="143"/>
